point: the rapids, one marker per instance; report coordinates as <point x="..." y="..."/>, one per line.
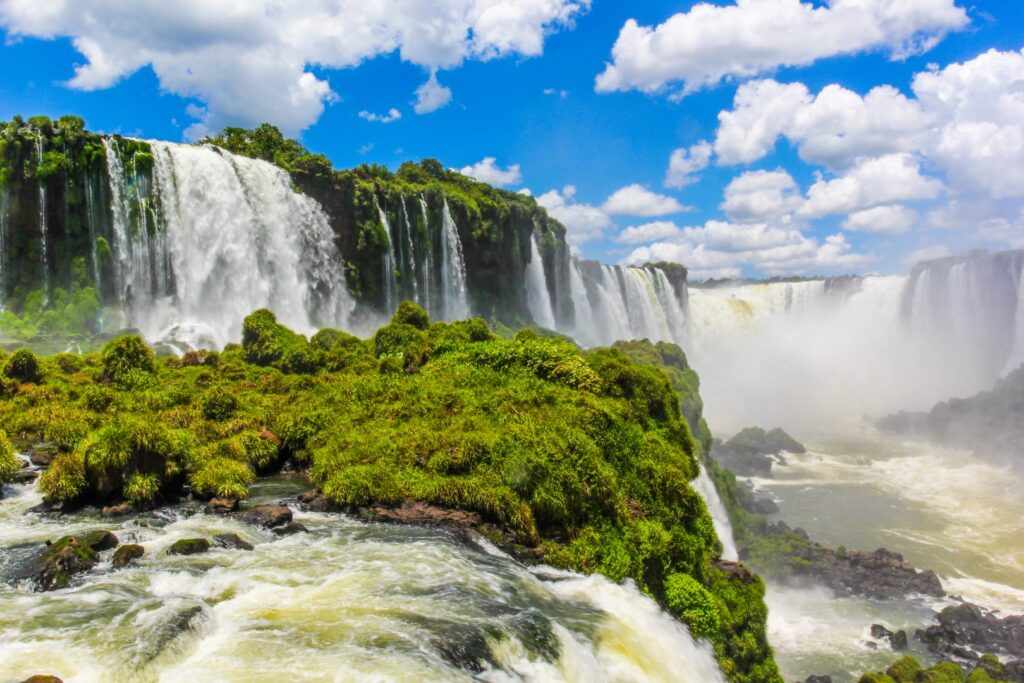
<point x="363" y="601"/>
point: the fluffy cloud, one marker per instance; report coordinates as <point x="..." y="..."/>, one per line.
<point x="583" y="222"/>
<point x="248" y="60"/>
<point x="719" y="249"/>
<point x="709" y="43"/>
<point x="872" y="182"/>
<point x="636" y="200"/>
<point x="488" y="171"/>
<point x="648" y="232"/>
<point x="431" y="96"/>
<point x="761" y="196"/>
<point x="392" y="115"/>
<point x="967" y="120"/>
<point x="892" y="219"/>
<point x="684" y="164"/>
<point x="927" y="254"/>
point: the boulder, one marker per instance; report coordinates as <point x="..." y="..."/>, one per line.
<point x="266" y="516"/>
<point x="290" y="528"/>
<point x="965" y="629"/>
<point x="101" y="540"/>
<point x="189" y="546"/>
<point x="118" y="510"/>
<point x="221" y="506"/>
<point x="42" y="456"/>
<point x="127" y="554"/>
<point x="56" y="563"/>
<point x="232" y="542"/>
<point x="753" y="451"/>
<point x="818" y="679"/>
<point x="42" y="679"/>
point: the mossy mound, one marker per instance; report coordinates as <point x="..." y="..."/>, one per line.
<point x="580" y="458"/>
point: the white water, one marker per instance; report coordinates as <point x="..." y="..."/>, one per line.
<point x="4" y="219"/>
<point x="456" y="305"/>
<point x="44" y="238"/>
<point x="364" y="602"/>
<point x="237" y="238"/>
<point x="719" y="516"/>
<point x="409" y="265"/>
<point x="390" y="265"/>
<point x="537" y="296"/>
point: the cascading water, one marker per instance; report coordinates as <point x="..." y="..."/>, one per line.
<point x="119" y="210"/>
<point x="583" y="323"/>
<point x="719" y="516"/>
<point x="428" y="264"/>
<point x="4" y="219"/>
<point x="537" y="296"/>
<point x="409" y="263"/>
<point x="43" y="237"/>
<point x="456" y="305"/>
<point x="360" y="600"/>
<point x="239" y="238"/>
<point x="390" y="265"/>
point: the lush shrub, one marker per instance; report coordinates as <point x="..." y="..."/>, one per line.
<point x="125" y="358"/>
<point x="266" y="342"/>
<point x="410" y="313"/>
<point x="222" y="478"/>
<point x="24" y="367"/>
<point x="218" y="404"/>
<point x="9" y="464"/>
<point x="693" y="604"/>
<point x="141" y="489"/>
<point x="64" y="479"/>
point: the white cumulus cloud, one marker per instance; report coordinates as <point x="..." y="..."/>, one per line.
<point x="761" y="196"/>
<point x="392" y="115"/>
<point x="636" y="200"/>
<point x="249" y="61"/>
<point x="648" y="232"/>
<point x="872" y="182"/>
<point x="583" y="222"/>
<point x="709" y="43"/>
<point x="685" y="164"/>
<point x="488" y="171"/>
<point x="892" y="219"/>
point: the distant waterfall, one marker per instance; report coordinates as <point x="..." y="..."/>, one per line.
<point x="719" y="516"/>
<point x="617" y="302"/>
<point x="537" y="296"/>
<point x="428" y="265"/>
<point x="456" y="305"/>
<point x="390" y="265"/>
<point x="234" y="237"/>
<point x="4" y="213"/>
<point x="44" y="238"/>
<point x="409" y="262"/>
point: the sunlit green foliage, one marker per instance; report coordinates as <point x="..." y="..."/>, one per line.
<point x="580" y="458"/>
<point x="24" y="367"/>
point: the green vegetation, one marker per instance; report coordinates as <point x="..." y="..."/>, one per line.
<point x="581" y="459"/>
<point x="9" y="464"/>
<point x="908" y="670"/>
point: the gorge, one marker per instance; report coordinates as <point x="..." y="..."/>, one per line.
<point x="100" y="235"/>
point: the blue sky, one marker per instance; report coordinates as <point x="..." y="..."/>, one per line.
<point x="811" y="174"/>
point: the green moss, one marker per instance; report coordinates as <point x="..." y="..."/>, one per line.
<point x="905" y="670"/>
<point x="126" y="358"/>
<point x="218" y="404"/>
<point x="692" y="603"/>
<point x="141" y="489"/>
<point x="64" y="480"/>
<point x="222" y="478"/>
<point x="409" y="313"/>
<point x="9" y="464"/>
<point x="24" y="367"/>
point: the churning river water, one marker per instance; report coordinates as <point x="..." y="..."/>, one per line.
<point x="943" y="509"/>
<point x="349" y="601"/>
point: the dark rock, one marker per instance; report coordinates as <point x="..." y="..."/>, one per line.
<point x="754" y="502"/>
<point x="421" y="513"/>
<point x="898" y="641"/>
<point x="964" y="630"/>
<point x="24" y="476"/>
<point x="266" y="516"/>
<point x="290" y="528"/>
<point x="818" y="679"/>
<point x="232" y="542"/>
<point x="119" y="510"/>
<point x="879" y="632"/>
<point x="735" y="570"/>
<point x="127" y="554"/>
<point x="42" y="456"/>
<point x="220" y="506"/>
<point x="313" y="501"/>
<point x="750" y="452"/>
<point x="54" y="565"/>
<point x="42" y="679"/>
<point x="189" y="546"/>
<point x="101" y="540"/>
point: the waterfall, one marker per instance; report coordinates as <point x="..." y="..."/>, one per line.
<point x="583" y="330"/>
<point x="428" y="262"/>
<point x="42" y="222"/>
<point x="646" y="316"/>
<point x="537" y="297"/>
<point x="236" y="237"/>
<point x="4" y="213"/>
<point x="719" y="515"/>
<point x="118" y="209"/>
<point x="409" y="263"/>
<point x="92" y="220"/>
<point x="456" y="306"/>
<point x="390" y="265"/>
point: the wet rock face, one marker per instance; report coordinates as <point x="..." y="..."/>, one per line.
<point x="232" y="542"/>
<point x="42" y="456"/>
<point x="421" y="513"/>
<point x="753" y="451"/>
<point x="220" y="506"/>
<point x="55" y="565"/>
<point x="101" y="540"/>
<point x="266" y="516"/>
<point x="127" y="554"/>
<point x="290" y="529"/>
<point x="966" y="629"/>
<point x="818" y="679"/>
<point x="897" y="640"/>
<point x="880" y="575"/>
<point x="189" y="546"/>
